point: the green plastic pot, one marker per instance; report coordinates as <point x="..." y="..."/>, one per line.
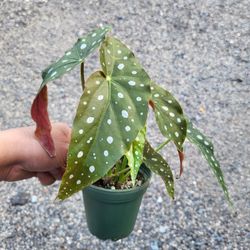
<point x="111" y="214"/>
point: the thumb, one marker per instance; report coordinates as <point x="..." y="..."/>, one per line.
<point x="45" y="178"/>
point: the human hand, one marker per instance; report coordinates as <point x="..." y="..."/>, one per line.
<point x="22" y="157"/>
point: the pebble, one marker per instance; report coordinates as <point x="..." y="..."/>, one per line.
<point x="34" y="199"/>
<point x="154" y="245"/>
<point x="163" y="229"/>
<point x="19" y="199"/>
<point x="159" y="200"/>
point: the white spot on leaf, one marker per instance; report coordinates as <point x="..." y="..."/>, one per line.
<point x="100" y="97"/>
<point x="80" y="154"/>
<point x="120" y="95"/>
<point x="120" y="66"/>
<point x="83" y="46"/>
<point x="90" y="119"/>
<point x="54" y="73"/>
<point x="127" y="128"/>
<point x="124" y="114"/>
<point x="131" y="83"/>
<point x="199" y="137"/>
<point x="110" y="139"/>
<point x="91" y="169"/>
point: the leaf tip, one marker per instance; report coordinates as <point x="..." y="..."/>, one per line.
<point x="181" y="158"/>
<point x="151" y="104"/>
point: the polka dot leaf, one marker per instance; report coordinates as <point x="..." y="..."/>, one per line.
<point x="169" y="115"/>
<point x="135" y="154"/>
<point x="207" y="150"/>
<point x="73" y="57"/>
<point x="156" y="163"/>
<point x="109" y="117"/>
<point x="76" y="55"/>
<point x="120" y="65"/>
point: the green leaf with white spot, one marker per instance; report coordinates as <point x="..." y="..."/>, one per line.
<point x="156" y="163"/>
<point x="169" y="115"/>
<point x="135" y="154"/>
<point x="72" y="57"/>
<point x="75" y="56"/>
<point x="207" y="150"/>
<point x="111" y="112"/>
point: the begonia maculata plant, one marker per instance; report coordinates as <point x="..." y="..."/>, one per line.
<point x="108" y="138"/>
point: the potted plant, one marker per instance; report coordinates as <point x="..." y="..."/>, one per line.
<point x="109" y="156"/>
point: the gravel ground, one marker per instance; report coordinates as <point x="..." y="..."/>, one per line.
<point x="198" y="49"/>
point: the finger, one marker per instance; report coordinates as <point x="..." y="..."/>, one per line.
<point x="46" y="178"/>
<point x="24" y="175"/>
<point x="16" y="173"/>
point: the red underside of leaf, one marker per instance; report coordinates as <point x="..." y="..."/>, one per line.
<point x="39" y="114"/>
<point x="151" y="103"/>
<point x="181" y="157"/>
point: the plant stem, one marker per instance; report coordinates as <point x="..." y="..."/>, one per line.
<point x="120" y="172"/>
<point x="162" y="145"/>
<point x="82" y="76"/>
<point x="124" y="162"/>
<point x="123" y="166"/>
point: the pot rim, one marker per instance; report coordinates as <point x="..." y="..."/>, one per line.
<point x="143" y="169"/>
